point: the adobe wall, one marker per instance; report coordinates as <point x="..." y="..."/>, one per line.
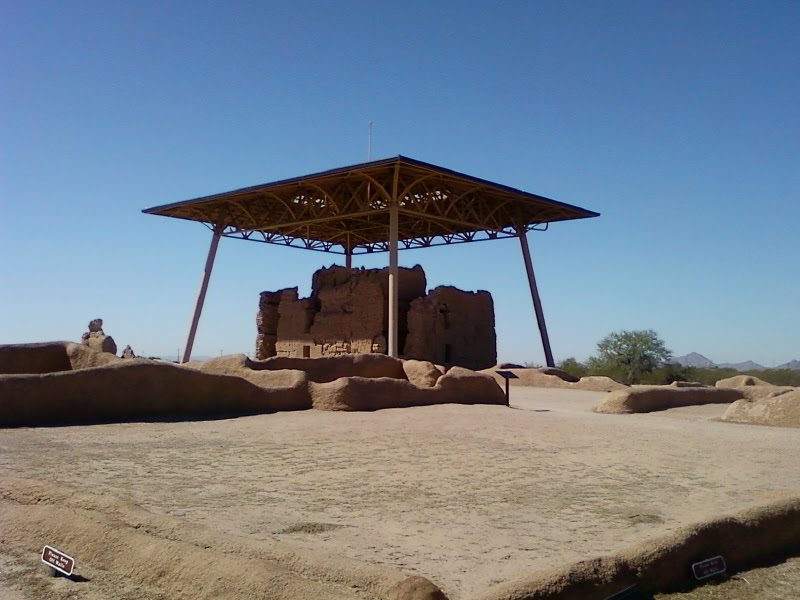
<point x="267" y="322"/>
<point x="347" y="313"/>
<point x="453" y="327"/>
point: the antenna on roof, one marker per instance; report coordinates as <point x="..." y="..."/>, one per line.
<point x="369" y="143"/>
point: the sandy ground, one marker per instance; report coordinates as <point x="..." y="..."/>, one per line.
<point x="468" y="496"/>
<point x="774" y="582"/>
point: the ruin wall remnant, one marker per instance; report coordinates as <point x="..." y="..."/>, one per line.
<point x="453" y="327"/>
<point x="347" y="313"/>
<point x="97" y="340"/>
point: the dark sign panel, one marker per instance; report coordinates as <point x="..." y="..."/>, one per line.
<point x="507" y="375"/>
<point x="709" y="567"/>
<point x="58" y="560"/>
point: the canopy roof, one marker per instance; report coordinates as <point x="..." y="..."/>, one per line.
<point x="346" y="210"/>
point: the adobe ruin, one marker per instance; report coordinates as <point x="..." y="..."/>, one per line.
<point x="347" y="313"/>
<point x="97" y="340"/>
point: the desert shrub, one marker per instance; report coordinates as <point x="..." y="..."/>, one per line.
<point x="666" y="374"/>
<point x="779" y="376"/>
<point x="573" y="367"/>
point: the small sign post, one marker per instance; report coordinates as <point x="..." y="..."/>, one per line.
<point x="58" y="560"/>
<point x="508" y="376"/>
<point x="709" y="567"/>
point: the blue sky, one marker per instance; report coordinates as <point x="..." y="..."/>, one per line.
<point x="678" y="121"/>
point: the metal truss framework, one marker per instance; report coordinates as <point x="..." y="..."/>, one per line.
<point x="346" y="211"/>
<point x="379" y="206"/>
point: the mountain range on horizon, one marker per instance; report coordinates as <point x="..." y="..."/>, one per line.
<point x="697" y="360"/>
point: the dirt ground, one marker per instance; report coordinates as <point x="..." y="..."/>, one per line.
<point x="467" y="496"/>
<point x="774" y="582"/>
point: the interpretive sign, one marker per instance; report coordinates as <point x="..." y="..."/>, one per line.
<point x="58" y="560"/>
<point x="709" y="567"/>
<point x="631" y="593"/>
<point x="508" y="376"/>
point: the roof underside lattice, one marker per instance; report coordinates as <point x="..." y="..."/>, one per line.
<point x="348" y="208"/>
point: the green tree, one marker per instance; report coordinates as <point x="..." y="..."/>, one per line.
<point x="634" y="353"/>
<point x="573" y="367"/>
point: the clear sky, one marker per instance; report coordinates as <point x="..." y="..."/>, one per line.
<point x="677" y="121"/>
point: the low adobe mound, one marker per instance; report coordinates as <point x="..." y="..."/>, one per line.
<point x="761" y="392"/>
<point x="330" y="368"/>
<point x="642" y="400"/>
<point x="753" y="388"/>
<point x="457" y="386"/>
<point x="688" y="384"/>
<point x="533" y="377"/>
<point x="422" y="373"/>
<point x="664" y="565"/>
<point x="69" y="383"/>
<point x="738" y="381"/>
<point x="780" y="410"/>
<point x="549" y="377"/>
<point x="238" y="365"/>
<point x="136" y="389"/>
<point x="599" y="383"/>
<point x="50" y="357"/>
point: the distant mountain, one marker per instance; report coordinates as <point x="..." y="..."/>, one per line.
<point x="693" y="359"/>
<point x="748" y="365"/>
<point x="794" y="365"/>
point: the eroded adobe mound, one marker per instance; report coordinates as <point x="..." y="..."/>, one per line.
<point x="457" y="386"/>
<point x="422" y="373"/>
<point x="238" y="365"/>
<point x="664" y="564"/>
<point x="136" y="389"/>
<point x="549" y="377"/>
<point x="60" y="382"/>
<point x="598" y="383"/>
<point x="753" y="388"/>
<point x="780" y="410"/>
<point x="738" y="381"/>
<point x="329" y="368"/>
<point x="50" y="357"/>
<point x="642" y="400"/>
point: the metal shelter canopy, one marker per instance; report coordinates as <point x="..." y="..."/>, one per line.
<point x="346" y="210"/>
<point x="378" y="206"/>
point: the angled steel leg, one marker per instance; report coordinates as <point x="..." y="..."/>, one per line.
<point x="201" y="295"/>
<point x="537" y="302"/>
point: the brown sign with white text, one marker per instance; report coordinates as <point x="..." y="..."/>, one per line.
<point x="58" y="560"/>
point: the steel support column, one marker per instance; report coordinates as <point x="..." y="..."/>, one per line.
<point x="537" y="302"/>
<point x="201" y="294"/>
<point x="393" y="283"/>
<point x="348" y="254"/>
<point x="394" y="216"/>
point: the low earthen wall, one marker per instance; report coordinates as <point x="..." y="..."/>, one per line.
<point x="663" y="398"/>
<point x="780" y="410"/>
<point x="47" y="357"/>
<point x="330" y="368"/>
<point x="457" y="386"/>
<point x="135" y="389"/>
<point x="664" y="564"/>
